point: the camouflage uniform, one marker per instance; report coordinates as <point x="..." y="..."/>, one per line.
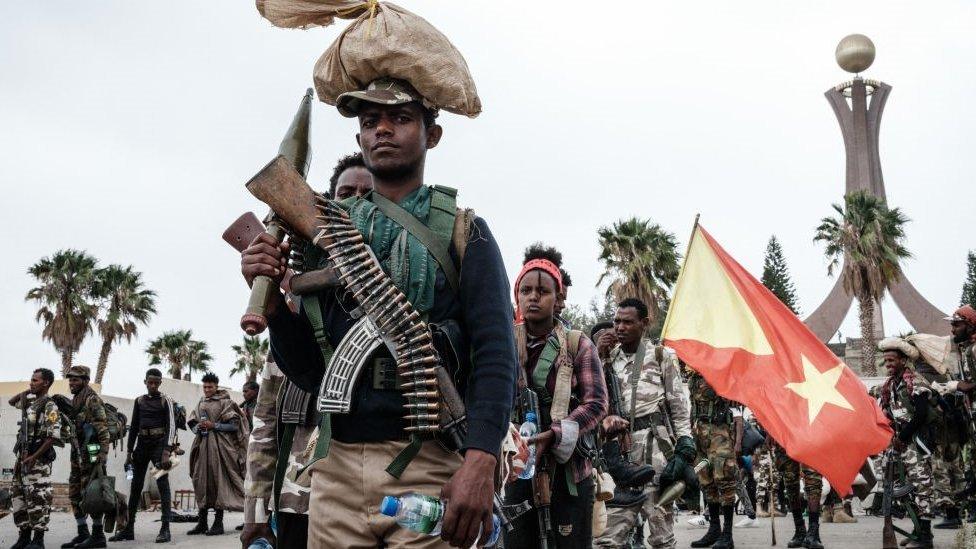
<point x="793" y="471"/>
<point x="262" y="455"/>
<point x="715" y="439"/>
<point x="951" y="433"/>
<point x="91" y="426"/>
<point x="660" y="391"/>
<point x="899" y="408"/>
<point x="31" y="491"/>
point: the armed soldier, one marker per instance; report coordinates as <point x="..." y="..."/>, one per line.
<point x="40" y="431"/>
<point x="285" y="420"/>
<point x="473" y="309"/>
<point x="717" y="425"/>
<point x="152" y="439"/>
<point x="654" y="397"/>
<point x="907" y="399"/>
<point x="89" y="453"/>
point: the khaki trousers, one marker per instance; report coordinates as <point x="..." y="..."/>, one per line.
<point x="349" y="484"/>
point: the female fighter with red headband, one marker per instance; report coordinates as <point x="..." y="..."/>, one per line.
<point x="563" y="368"/>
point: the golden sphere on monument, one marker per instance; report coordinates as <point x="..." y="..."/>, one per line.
<point x="855" y="53"/>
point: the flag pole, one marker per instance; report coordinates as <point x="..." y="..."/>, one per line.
<point x="667" y="319"/>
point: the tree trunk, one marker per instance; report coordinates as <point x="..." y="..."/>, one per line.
<point x="252" y="375"/>
<point x="103" y="359"/>
<point x="66" y="357"/>
<point x="869" y="345"/>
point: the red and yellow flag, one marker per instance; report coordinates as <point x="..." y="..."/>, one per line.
<point x="752" y="349"/>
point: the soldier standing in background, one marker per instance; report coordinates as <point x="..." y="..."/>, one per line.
<point x="250" y="392"/>
<point x="793" y="471"/>
<point x="284" y="421"/>
<point x="152" y="437"/>
<point x="907" y="400"/>
<point x="655" y="396"/>
<point x="31" y="489"/>
<point x="91" y="428"/>
<point x="717" y="425"/>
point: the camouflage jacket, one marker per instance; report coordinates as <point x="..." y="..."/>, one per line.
<point x="43" y="422"/>
<point x="659" y="387"/>
<point x="897" y="397"/>
<point x="706" y="404"/>
<point x="967" y="361"/>
<point x="91" y="424"/>
<point x="262" y="455"/>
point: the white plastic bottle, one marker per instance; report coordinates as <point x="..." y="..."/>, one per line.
<point x="529" y="429"/>
<point x="425" y="514"/>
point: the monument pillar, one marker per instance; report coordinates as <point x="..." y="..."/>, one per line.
<point x="860" y="124"/>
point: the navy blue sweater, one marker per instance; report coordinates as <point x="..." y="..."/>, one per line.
<point x="483" y="309"/>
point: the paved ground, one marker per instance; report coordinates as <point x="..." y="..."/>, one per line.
<point x="866" y="534"/>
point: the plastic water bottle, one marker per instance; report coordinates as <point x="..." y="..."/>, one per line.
<point x="425" y="514"/>
<point x="129" y="472"/>
<point x="260" y="543"/>
<point x="528" y="429"/>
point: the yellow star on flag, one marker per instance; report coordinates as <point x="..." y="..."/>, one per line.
<point x="819" y="388"/>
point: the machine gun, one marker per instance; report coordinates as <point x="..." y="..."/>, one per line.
<point x="888" y="540"/>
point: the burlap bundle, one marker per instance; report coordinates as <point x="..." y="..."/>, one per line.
<point x="385" y="40"/>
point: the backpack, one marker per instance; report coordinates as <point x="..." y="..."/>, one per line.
<point x="118" y="423"/>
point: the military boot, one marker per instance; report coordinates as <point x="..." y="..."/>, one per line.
<point x="714" y="528"/>
<point x="799" y="529"/>
<point x="201" y="527"/>
<point x="126" y="534"/>
<point x="217" y="528"/>
<point x="924" y="540"/>
<point x="163" y="535"/>
<point x="624" y="497"/>
<point x="38" y="541"/>
<point x="812" y="539"/>
<point x="23" y="539"/>
<point x="725" y="541"/>
<point x="95" y="541"/>
<point x="625" y="474"/>
<point x="83" y="534"/>
<point x="828" y="512"/>
<point x="952" y="521"/>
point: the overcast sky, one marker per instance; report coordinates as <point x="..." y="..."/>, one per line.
<point x="127" y="129"/>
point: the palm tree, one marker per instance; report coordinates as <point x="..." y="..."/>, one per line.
<point x="126" y="304"/>
<point x="251" y="357"/>
<point x="641" y="260"/>
<point x="180" y="351"/>
<point x="865" y="241"/>
<point x="65" y="296"/>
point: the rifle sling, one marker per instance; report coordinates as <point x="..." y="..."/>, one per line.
<point x="635" y="374"/>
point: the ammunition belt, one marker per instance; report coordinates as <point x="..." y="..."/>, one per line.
<point x="154" y="432"/>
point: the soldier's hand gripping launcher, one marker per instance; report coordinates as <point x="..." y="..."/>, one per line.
<point x="433" y="405"/>
<point x="295" y="148"/>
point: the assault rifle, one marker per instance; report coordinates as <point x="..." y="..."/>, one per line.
<point x="528" y="402"/>
<point x="23" y="437"/>
<point x="888" y="540"/>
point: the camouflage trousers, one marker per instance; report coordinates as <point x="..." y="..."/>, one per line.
<point x="948" y="478"/>
<point x="621" y="520"/>
<point x="718" y="480"/>
<point x="792" y="474"/>
<point x="918" y="472"/>
<point x="31" y="498"/>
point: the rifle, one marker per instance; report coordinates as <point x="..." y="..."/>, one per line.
<point x="23" y="437"/>
<point x="295" y="148"/>
<point x="528" y="402"/>
<point x="888" y="539"/>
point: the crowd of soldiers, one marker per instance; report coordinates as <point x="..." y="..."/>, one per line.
<point x="85" y="424"/>
<point x="626" y="432"/>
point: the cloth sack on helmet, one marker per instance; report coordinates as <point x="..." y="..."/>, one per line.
<point x="384" y="41"/>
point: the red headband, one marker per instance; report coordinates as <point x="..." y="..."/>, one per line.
<point x="966" y="313"/>
<point x="543" y="265"/>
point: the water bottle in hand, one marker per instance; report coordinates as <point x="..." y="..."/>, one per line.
<point x="527" y="430"/>
<point x="425" y="514"/>
<point x="129" y="473"/>
<point x="260" y="543"/>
